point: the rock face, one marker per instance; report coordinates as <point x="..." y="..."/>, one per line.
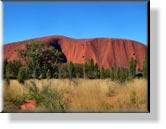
<point x="105" y="52"/>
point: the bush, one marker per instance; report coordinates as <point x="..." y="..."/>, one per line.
<point x="12" y="69"/>
<point x="84" y="70"/>
<point x="78" y="70"/>
<point x="50" y="63"/>
<point x="70" y="68"/>
<point x="112" y="73"/>
<point x="5" y="62"/>
<point x="101" y="73"/>
<point x="132" y="68"/>
<point x="63" y="71"/>
<point x="38" y="59"/>
<point x="54" y="70"/>
<point x="7" y="76"/>
<point x="47" y="98"/>
<point x="52" y="100"/>
<point x="48" y="74"/>
<point x="144" y="67"/>
<point x="22" y="75"/>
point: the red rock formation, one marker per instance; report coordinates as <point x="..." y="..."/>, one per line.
<point x="105" y="52"/>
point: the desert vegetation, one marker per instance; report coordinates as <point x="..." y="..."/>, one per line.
<point x="43" y="76"/>
<point x="77" y="95"/>
<point x="39" y="62"/>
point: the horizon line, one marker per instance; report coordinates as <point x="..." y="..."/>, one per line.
<point x="71" y="37"/>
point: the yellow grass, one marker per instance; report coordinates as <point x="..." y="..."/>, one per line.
<point x="91" y="95"/>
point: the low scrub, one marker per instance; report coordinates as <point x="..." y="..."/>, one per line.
<point x="78" y="95"/>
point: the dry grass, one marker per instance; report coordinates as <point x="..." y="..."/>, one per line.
<point x="90" y="95"/>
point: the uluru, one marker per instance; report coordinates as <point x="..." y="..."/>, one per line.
<point x="105" y="52"/>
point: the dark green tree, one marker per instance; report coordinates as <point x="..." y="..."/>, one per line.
<point x="144" y="68"/>
<point x="54" y="71"/>
<point x="84" y="70"/>
<point x="39" y="58"/>
<point x="5" y="62"/>
<point x="22" y="75"/>
<point x="96" y="72"/>
<point x="112" y="73"/>
<point x="7" y="74"/>
<point x="122" y="75"/>
<point x="89" y="69"/>
<point x="12" y="69"/>
<point x="60" y="73"/>
<point x="102" y="73"/>
<point x="48" y="74"/>
<point x="132" y="68"/>
<point x="70" y="69"/>
<point x="63" y="71"/>
<point x="78" y="70"/>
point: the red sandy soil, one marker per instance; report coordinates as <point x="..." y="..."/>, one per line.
<point x="28" y="105"/>
<point x="105" y="52"/>
<point x="111" y="100"/>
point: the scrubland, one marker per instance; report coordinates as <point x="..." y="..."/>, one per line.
<point x="76" y="95"/>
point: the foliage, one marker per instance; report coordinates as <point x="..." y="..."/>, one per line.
<point x="47" y="97"/>
<point x="89" y="68"/>
<point x="54" y="70"/>
<point x="5" y="62"/>
<point x="70" y="69"/>
<point x="48" y="74"/>
<point x="49" y="62"/>
<point x="78" y="70"/>
<point x="119" y="74"/>
<point x="101" y="73"/>
<point x="63" y="71"/>
<point x="12" y="69"/>
<point x="22" y="75"/>
<point x="132" y="68"/>
<point x="87" y="95"/>
<point x="144" y="68"/>
<point x="39" y="59"/>
<point x="84" y="70"/>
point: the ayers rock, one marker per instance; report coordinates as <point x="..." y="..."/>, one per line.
<point x="105" y="52"/>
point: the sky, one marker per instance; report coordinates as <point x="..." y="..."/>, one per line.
<point x="26" y="21"/>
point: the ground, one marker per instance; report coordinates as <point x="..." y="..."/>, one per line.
<point x="75" y="95"/>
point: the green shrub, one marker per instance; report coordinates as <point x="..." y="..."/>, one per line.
<point x="70" y="69"/>
<point x="38" y="59"/>
<point x="54" y="68"/>
<point x="7" y="76"/>
<point x="102" y="73"/>
<point x="78" y="70"/>
<point x="47" y="98"/>
<point x="144" y="67"/>
<point x="132" y="68"/>
<point x="12" y="69"/>
<point x="63" y="71"/>
<point x="48" y="74"/>
<point x="5" y="62"/>
<point x="52" y="100"/>
<point x="22" y="75"/>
